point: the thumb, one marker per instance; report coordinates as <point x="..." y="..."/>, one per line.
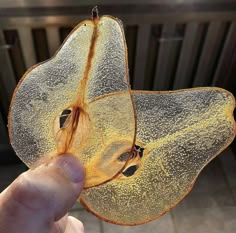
<point x="41" y="196"/>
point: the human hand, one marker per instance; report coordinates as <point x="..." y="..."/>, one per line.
<point x="39" y="199"/>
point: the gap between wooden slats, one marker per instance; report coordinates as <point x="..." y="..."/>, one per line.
<point x="27" y="45"/>
<point x="167" y="57"/>
<point x="15" y="53"/>
<point x="7" y="81"/>
<point x="64" y="32"/>
<point x="226" y="59"/>
<point x="153" y="48"/>
<point x="141" y="58"/>
<point x="40" y="44"/>
<point x="187" y="57"/>
<point x="3" y="131"/>
<point x="209" y="54"/>
<point x="131" y="41"/>
<point x="228" y="163"/>
<point x="53" y="39"/>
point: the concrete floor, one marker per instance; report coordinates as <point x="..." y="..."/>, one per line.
<point x="209" y="208"/>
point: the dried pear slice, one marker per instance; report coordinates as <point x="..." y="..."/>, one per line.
<point x="80" y="102"/>
<point x="179" y="133"/>
<point x="53" y="110"/>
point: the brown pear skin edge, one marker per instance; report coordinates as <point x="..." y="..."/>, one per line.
<point x="95" y="20"/>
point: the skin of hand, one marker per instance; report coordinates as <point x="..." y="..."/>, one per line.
<point x="39" y="199"/>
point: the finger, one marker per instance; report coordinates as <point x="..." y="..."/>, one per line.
<point x="74" y="225"/>
<point x="60" y="226"/>
<point x="41" y="196"/>
<point x="1" y="194"/>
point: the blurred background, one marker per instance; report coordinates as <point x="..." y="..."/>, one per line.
<point x="172" y="44"/>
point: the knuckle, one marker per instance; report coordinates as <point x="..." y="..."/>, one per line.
<point x="81" y="227"/>
<point x="76" y="223"/>
<point x="20" y="189"/>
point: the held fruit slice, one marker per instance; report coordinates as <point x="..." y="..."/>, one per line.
<point x="142" y="151"/>
<point x="178" y="133"/>
<point x="57" y="106"/>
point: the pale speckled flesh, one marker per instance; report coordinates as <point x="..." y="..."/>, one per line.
<point x="180" y="131"/>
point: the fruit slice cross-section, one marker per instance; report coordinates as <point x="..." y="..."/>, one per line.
<point x="179" y="132"/>
<point x="58" y="107"/>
